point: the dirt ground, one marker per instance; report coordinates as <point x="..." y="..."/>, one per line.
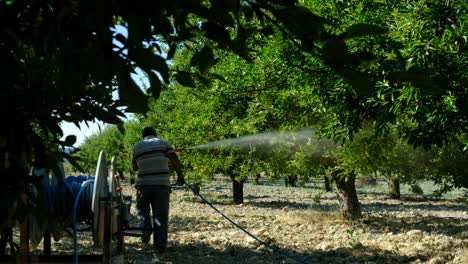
<point x="304" y="226"/>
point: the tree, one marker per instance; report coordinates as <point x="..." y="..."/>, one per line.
<point x="349" y="100"/>
<point x="114" y="143"/>
<point x="339" y="90"/>
<point x="448" y="166"/>
<point x="251" y="99"/>
<point x="64" y="61"/>
<point x="411" y="88"/>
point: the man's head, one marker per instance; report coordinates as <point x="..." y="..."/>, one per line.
<point x="148" y="131"/>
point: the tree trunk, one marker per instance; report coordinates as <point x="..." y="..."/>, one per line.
<point x="347" y="197"/>
<point x="257" y="179"/>
<point x="394" y="188"/>
<point x="290" y="180"/>
<point x="238" y="191"/>
<point x="326" y="184"/>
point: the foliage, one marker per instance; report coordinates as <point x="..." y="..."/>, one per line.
<point x="391" y="158"/>
<point x="372" y="100"/>
<point x="65" y="61"/>
<point x="114" y="144"/>
<point x="450" y="167"/>
<point x="182" y="117"/>
<point x="253" y="98"/>
<point x="419" y="72"/>
<point x="69" y="61"/>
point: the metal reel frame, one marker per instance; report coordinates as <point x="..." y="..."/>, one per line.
<point x="107" y="208"/>
<point x="109" y="213"/>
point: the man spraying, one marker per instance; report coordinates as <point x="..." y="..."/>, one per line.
<point x="151" y="158"/>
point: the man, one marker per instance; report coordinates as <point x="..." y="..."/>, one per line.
<point x="151" y="158"/>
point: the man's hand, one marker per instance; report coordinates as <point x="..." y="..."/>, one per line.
<point x="179" y="149"/>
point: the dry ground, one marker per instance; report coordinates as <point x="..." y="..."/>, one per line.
<point x="303" y="223"/>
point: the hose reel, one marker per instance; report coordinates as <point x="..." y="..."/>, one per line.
<point x="108" y="211"/>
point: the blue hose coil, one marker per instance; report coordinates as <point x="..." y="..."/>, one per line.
<point x="60" y="198"/>
<point x="71" y="199"/>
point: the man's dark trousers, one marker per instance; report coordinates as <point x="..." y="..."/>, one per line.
<point x="154" y="198"/>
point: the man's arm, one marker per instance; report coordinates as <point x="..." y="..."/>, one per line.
<point x="135" y="168"/>
<point x="172" y="156"/>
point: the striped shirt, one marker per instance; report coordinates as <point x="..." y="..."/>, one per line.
<point x="150" y="157"/>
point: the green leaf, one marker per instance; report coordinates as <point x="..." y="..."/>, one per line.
<point x="219" y="77"/>
<point x="147" y="60"/>
<point x="185" y="79"/>
<point x="129" y="93"/>
<point x="337" y="53"/>
<point x="248" y="12"/>
<point x="121" y="128"/>
<point x="203" y="59"/>
<point x="167" y="27"/>
<point x="359" y="81"/>
<point x="222" y="17"/>
<point x="285" y="3"/>
<point x="70" y="140"/>
<point x="228" y="5"/>
<point x="116" y="112"/>
<point x="267" y="30"/>
<point x="121" y="38"/>
<point x="202" y="79"/>
<point x="102" y="114"/>
<point x="364" y="58"/>
<point x="301" y="22"/>
<point x="417" y="77"/>
<point x="259" y="14"/>
<point x="75" y="150"/>
<point x="217" y="33"/>
<point x="361" y="30"/>
<point x="171" y="52"/>
<point x="137" y="29"/>
<point x="74" y="160"/>
<point x="54" y="128"/>
<point x="155" y="46"/>
<point x="155" y="85"/>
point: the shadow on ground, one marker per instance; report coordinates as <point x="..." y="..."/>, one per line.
<point x="192" y="223"/>
<point x="430" y="224"/>
<point x="405" y="206"/>
<point x="204" y="253"/>
<point x="293" y="205"/>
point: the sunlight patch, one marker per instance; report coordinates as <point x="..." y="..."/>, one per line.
<point x="310" y="218"/>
